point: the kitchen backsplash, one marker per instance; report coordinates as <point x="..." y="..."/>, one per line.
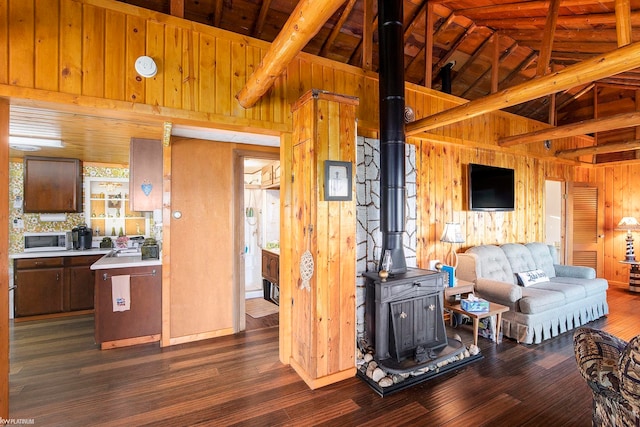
<point x="32" y="221"/>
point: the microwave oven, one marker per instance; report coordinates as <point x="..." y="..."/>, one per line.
<point x="48" y="241"/>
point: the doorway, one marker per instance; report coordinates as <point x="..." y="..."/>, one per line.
<point x="554" y="216"/>
<point x="258" y="238"/>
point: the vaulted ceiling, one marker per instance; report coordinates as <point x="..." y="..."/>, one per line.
<point x="489" y="45"/>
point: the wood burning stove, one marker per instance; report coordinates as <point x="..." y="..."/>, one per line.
<point x="404" y="316"/>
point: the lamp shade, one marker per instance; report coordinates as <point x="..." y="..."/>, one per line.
<point x="628" y="223"/>
<point x="452" y="233"/>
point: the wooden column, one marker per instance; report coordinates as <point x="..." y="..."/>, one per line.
<point x="4" y="264"/>
<point x="323" y="309"/>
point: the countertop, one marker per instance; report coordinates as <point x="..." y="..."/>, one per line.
<point x="272" y="250"/>
<point x="51" y="254"/>
<point x="108" y="262"/>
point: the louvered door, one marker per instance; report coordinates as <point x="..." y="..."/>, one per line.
<point x="584" y="227"/>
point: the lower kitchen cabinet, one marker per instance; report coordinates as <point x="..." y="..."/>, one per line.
<point x="142" y="322"/>
<point x="51" y="285"/>
<point x="39" y="287"/>
<point x="81" y="282"/>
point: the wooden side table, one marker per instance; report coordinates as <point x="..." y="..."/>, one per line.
<point x="634" y="275"/>
<point x="494" y="309"/>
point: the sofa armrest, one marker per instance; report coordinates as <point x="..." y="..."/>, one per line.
<point x="574" y="271"/>
<point x="597" y="354"/>
<point x="497" y="291"/>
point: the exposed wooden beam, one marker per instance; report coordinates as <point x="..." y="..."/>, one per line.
<point x="428" y="52"/>
<point x="176" y="8"/>
<point x="584" y="127"/>
<point x="495" y="63"/>
<point x="502" y="57"/>
<point x="303" y="23"/>
<point x="217" y="15"/>
<point x="599" y="149"/>
<point x="336" y="28"/>
<point x="568" y="21"/>
<point x="446" y="58"/>
<point x="442" y="27"/>
<point x="366" y="43"/>
<point x="262" y="17"/>
<point x="547" y="40"/>
<point x="462" y="70"/>
<point x="620" y="60"/>
<point x="529" y="6"/>
<point x="623" y="22"/>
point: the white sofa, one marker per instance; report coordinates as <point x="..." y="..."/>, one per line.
<point x="569" y="296"/>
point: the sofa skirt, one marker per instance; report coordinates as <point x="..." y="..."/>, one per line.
<point x="535" y="328"/>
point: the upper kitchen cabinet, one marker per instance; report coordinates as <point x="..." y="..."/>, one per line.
<point x="52" y="185"/>
<point x="271" y="175"/>
<point x="145" y="169"/>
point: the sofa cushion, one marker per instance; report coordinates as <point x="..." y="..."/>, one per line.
<point x="591" y="286"/>
<point x="519" y="257"/>
<point x="536" y="300"/>
<point x="571" y="292"/>
<point x="528" y="278"/>
<point x="492" y="263"/>
<point x="542" y="256"/>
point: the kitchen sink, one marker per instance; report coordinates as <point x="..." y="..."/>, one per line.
<point x="124" y="252"/>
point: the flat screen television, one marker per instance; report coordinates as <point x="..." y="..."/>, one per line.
<point x="491" y="188"/>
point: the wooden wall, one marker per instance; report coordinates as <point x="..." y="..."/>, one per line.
<point x="79" y="54"/>
<point x="442" y="197"/>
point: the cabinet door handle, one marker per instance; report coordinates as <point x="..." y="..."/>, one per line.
<point x="57" y="276"/>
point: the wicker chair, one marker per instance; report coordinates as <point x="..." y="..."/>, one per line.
<point x="611" y="368"/>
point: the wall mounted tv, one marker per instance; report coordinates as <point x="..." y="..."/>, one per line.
<point x="491" y="188"/>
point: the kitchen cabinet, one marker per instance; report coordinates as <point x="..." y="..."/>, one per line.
<point x="50" y="285"/>
<point x="270" y="175"/>
<point x="271" y="276"/>
<point x="142" y="322"/>
<point x="109" y="212"/>
<point x="145" y="168"/>
<point x="81" y="282"/>
<point x="270" y="266"/>
<point x="39" y="286"/>
<point x="52" y="185"/>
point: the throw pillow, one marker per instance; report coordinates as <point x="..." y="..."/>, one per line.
<point x="528" y="278"/>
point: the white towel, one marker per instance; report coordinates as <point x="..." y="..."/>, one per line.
<point x="120" y="292"/>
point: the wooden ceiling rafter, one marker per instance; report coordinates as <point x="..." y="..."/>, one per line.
<point x="217" y="15"/>
<point x="619" y="121"/>
<point x="335" y="31"/>
<point x="462" y="70"/>
<point x="599" y="149"/>
<point x="544" y="58"/>
<point x="623" y="22"/>
<point x="569" y="21"/>
<point x="447" y="56"/>
<point x="619" y="60"/>
<point x="366" y="41"/>
<point x="176" y="8"/>
<point x="441" y="27"/>
<point x="304" y="23"/>
<point x="262" y="18"/>
<point x="528" y="6"/>
<point x="501" y="58"/>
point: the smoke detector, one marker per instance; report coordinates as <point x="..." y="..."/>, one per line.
<point x="409" y="115"/>
<point x="146" y="67"/>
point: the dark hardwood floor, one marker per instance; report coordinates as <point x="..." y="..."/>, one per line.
<point x="58" y="377"/>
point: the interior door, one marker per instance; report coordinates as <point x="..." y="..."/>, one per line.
<point x="202" y="233"/>
<point x="585" y="221"/>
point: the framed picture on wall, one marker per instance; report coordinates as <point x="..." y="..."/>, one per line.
<point x="337" y="180"/>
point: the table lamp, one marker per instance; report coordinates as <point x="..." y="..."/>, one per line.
<point x="629" y="224"/>
<point x="452" y="234"/>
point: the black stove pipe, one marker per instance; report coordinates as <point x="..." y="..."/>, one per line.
<point x="392" y="136"/>
<point x="445" y="75"/>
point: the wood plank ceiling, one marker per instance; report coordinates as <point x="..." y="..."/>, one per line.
<point x="489" y="45"/>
